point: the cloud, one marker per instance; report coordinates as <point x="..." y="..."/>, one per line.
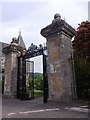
<point x="89" y="10"/>
<point x="29" y="21"/>
<point x="33" y="15"/>
<point x="19" y="10"/>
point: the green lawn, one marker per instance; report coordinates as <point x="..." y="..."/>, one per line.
<point x="38" y="93"/>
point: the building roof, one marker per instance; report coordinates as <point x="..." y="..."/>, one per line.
<point x="20" y="40"/>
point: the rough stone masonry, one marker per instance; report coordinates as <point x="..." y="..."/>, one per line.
<point x="60" y="72"/>
<point x="10" y="85"/>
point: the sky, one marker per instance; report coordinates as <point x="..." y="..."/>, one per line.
<point x="30" y="16"/>
<point x="89" y="10"/>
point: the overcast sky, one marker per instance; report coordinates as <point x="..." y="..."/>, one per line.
<point x="32" y="15"/>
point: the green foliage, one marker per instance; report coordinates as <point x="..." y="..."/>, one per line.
<point x="38" y="93"/>
<point x="82" y="69"/>
<point x="82" y="74"/>
<point x="81" y="42"/>
<point x="38" y="82"/>
<point x="81" y="46"/>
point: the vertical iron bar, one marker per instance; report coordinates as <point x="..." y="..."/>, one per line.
<point x="18" y="78"/>
<point x="74" y="79"/>
<point x="23" y="77"/>
<point x="45" y="86"/>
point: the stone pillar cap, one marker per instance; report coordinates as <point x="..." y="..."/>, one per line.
<point x="57" y="27"/>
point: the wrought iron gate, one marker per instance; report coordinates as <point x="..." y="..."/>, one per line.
<point x="21" y="78"/>
<point x="45" y="76"/>
<point x="33" y="51"/>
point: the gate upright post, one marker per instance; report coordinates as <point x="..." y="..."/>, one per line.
<point x="45" y="81"/>
<point x="59" y="47"/>
<point x="23" y="77"/>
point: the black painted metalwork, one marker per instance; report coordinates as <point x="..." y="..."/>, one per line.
<point x="21" y="82"/>
<point x="45" y="77"/>
<point x="33" y="51"/>
<point x="18" y="77"/>
<point x="34" y="54"/>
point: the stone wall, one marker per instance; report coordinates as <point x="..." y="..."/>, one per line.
<point x="60" y="67"/>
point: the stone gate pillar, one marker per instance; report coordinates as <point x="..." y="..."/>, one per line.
<point x="10" y="85"/>
<point x="60" y="74"/>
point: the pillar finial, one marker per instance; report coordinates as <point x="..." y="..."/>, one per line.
<point x="57" y="15"/>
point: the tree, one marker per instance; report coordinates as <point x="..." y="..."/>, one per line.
<point x="81" y="41"/>
<point x="38" y="82"/>
<point x="81" y="47"/>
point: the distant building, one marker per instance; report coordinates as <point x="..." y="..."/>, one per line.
<point x="2" y="56"/>
<point x="2" y="63"/>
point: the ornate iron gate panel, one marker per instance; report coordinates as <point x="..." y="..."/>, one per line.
<point x="33" y="51"/>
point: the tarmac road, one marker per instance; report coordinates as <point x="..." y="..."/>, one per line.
<point x="14" y="108"/>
